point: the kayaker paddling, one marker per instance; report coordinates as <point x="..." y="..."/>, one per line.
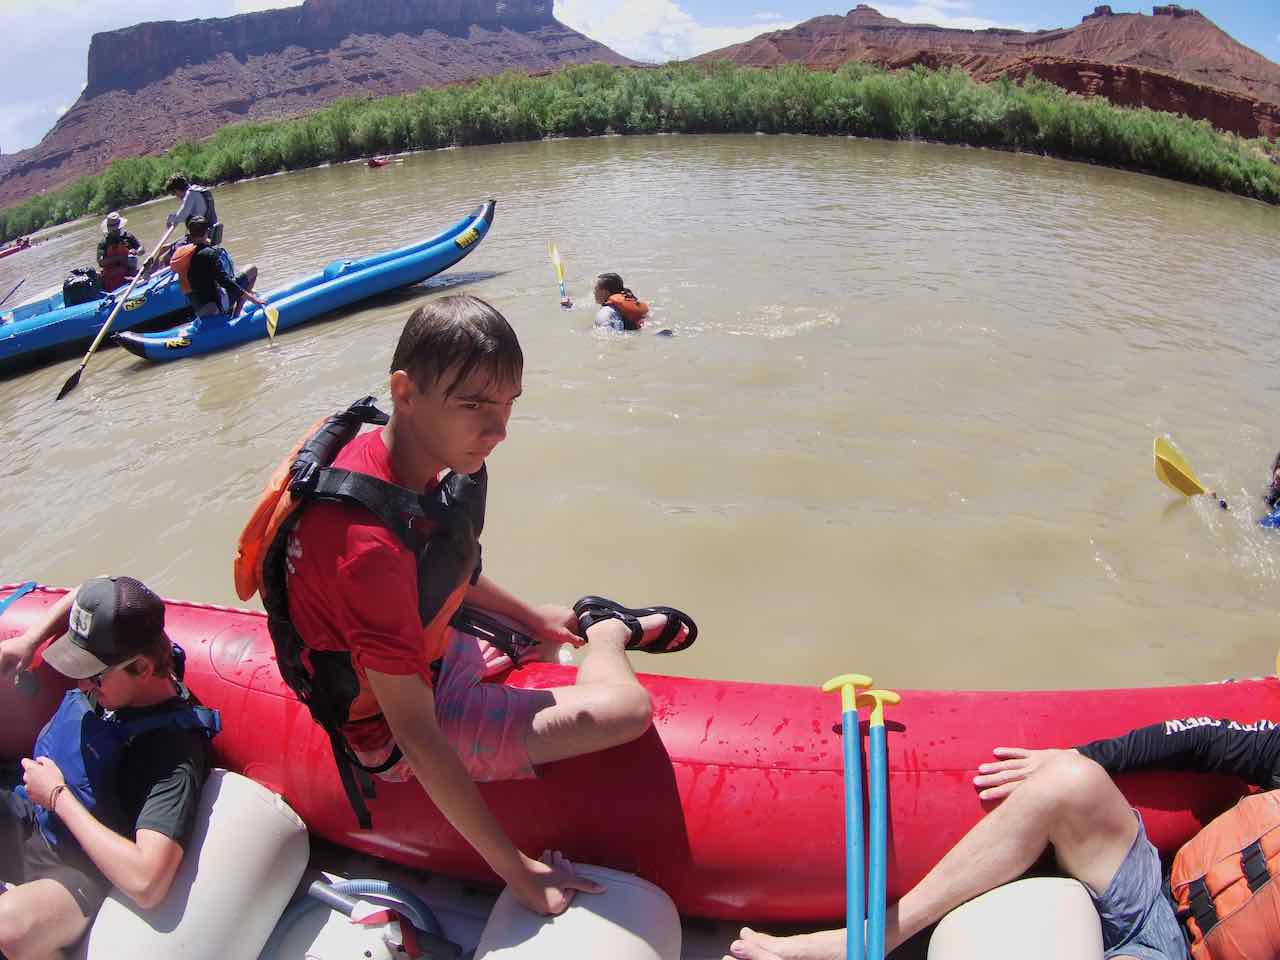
<point x="74" y="829"/>
<point x="207" y="275"/>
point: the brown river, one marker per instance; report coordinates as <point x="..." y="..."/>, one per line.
<point x="903" y="427"/>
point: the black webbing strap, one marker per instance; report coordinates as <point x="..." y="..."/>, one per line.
<point x="1202" y="907"/>
<point x="354" y="790"/>
<point x="395" y="507"/>
<point x="1254" y="864"/>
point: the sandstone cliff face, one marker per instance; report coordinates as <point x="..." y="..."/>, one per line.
<point x="1174" y="59"/>
<point x="156" y="83"/>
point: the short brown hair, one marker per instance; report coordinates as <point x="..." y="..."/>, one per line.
<point x="461" y="334"/>
<point x="176" y="182"/>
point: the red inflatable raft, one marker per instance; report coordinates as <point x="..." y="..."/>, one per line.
<point x="732" y="803"/>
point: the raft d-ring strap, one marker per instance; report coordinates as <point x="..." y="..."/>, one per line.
<point x="18" y="593"/>
<point x="1253" y="862"/>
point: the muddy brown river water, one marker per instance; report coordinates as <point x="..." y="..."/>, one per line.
<point x="903" y="427"/>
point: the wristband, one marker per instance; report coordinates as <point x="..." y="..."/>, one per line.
<point x="53" y="797"/>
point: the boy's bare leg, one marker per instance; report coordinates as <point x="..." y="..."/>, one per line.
<point x="1070" y="803"/>
<point x="38" y="919"/>
<point x="605" y="707"/>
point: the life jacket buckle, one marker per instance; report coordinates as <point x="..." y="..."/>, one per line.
<point x="305" y="474"/>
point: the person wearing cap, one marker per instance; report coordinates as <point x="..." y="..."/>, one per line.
<point x="118" y="252"/>
<point x="72" y="830"/>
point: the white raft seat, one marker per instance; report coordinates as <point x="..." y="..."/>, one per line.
<point x="1050" y="918"/>
<point x="631" y="920"/>
<point x="241" y="867"/>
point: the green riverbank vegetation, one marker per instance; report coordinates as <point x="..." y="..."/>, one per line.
<point x="856" y="100"/>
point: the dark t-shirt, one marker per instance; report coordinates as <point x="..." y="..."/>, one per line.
<point x="161" y="774"/>
<point x="206" y="274"/>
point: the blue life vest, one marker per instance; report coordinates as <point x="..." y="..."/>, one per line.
<point x="87" y="748"/>
<point x="1272" y="519"/>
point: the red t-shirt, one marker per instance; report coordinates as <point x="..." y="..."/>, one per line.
<point x="353" y="586"/>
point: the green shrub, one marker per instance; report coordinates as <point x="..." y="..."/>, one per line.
<point x="857" y="99"/>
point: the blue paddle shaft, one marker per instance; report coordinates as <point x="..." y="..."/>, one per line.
<point x="855" y="916"/>
<point x="20" y="591"/>
<point x="878" y="791"/>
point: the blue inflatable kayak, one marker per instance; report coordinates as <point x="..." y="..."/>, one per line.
<point x="338" y="285"/>
<point x="43" y="328"/>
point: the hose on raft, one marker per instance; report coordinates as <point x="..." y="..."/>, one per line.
<point x="341" y="896"/>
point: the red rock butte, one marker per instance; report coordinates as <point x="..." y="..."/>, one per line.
<point x="1175" y="59"/>
<point x="154" y="84"/>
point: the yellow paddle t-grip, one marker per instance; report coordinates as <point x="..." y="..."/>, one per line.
<point x="847" y="684"/>
<point x="876" y="699"/>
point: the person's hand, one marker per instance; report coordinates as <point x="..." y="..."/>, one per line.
<point x="16" y="654"/>
<point x="41" y="776"/>
<point x="997" y="780"/>
<point x="549" y="884"/>
<point x="553" y="625"/>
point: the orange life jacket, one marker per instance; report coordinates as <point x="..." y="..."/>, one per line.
<point x="1222" y="883"/>
<point x="115" y="261"/>
<point x="442" y="528"/>
<point x="180" y="264"/>
<point x="632" y="311"/>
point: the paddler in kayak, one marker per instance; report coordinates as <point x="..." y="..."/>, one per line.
<point x="1066" y="799"/>
<point x="118" y="253"/>
<point x="620" y="309"/>
<point x="72" y="831"/>
<point x="208" y="276"/>
<point x="365" y="552"/>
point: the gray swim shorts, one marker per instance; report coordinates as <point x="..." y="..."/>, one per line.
<point x="1137" y="918"/>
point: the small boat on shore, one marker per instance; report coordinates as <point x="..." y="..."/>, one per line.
<point x="732" y="803"/>
<point x="22" y="243"/>
<point x="340" y="284"/>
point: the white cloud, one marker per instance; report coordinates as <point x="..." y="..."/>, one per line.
<point x="653" y="30"/>
<point x="943" y="13"/>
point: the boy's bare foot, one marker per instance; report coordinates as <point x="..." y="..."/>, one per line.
<point x="826" y="945"/>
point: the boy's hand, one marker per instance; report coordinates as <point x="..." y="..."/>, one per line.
<point x="995" y="781"/>
<point x="16" y="653"/>
<point x="549" y="884"/>
<point x="554" y="624"/>
<point x="41" y="776"/>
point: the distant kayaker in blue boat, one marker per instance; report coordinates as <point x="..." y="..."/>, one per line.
<point x="620" y="309"/>
<point x="197" y="201"/>
<point x="1066" y="799"/>
<point x="73" y="830"/>
<point x="365" y="594"/>
<point x="118" y="252"/>
<point x="208" y="276"/>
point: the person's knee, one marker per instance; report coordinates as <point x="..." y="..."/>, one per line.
<point x="15" y="929"/>
<point x="1073" y="784"/>
<point x="636" y="711"/>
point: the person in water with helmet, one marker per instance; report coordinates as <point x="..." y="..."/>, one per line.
<point x="620" y="309"/>
<point x="118" y="252"/>
<point x="71" y="831"/>
<point x="1066" y="799"/>
<point x="365" y="548"/>
<point x="208" y="277"/>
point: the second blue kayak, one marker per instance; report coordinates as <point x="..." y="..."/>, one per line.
<point x="339" y="285"/>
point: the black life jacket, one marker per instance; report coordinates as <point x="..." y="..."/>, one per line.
<point x="441" y="527"/>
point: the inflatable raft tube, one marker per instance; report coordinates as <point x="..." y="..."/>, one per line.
<point x="35" y="333"/>
<point x="732" y="803"/>
<point x="339" y="285"/>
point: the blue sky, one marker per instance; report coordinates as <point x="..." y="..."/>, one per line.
<point x="46" y="72"/>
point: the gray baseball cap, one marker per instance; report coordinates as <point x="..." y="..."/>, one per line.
<point x="112" y="620"/>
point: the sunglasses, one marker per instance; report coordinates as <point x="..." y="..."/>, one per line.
<point x="98" y="678"/>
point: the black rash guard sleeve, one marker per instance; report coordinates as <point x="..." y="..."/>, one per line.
<point x="1250" y="751"/>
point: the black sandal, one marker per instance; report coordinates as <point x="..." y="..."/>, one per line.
<point x="591" y="610"/>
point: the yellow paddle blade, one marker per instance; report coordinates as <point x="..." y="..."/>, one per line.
<point x="554" y="251"/>
<point x="1173" y="471"/>
<point x="273" y="320"/>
